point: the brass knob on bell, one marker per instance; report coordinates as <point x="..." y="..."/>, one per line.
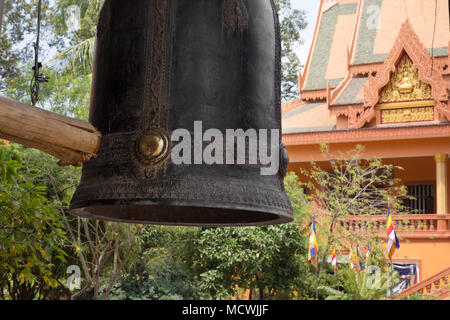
<point x="152" y="146"/>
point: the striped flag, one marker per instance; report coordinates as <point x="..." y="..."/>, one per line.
<point x="333" y="259"/>
<point x="361" y="265"/>
<point x="392" y="236"/>
<point x="313" y="247"/>
<point x="368" y="251"/>
<point x="351" y="258"/>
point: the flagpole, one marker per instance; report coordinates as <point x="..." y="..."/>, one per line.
<point x="392" y="246"/>
<point x="391" y="286"/>
<point x="317" y="280"/>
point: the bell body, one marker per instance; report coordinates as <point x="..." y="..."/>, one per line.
<point x="161" y="65"/>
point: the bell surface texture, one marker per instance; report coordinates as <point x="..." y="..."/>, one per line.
<point x="161" y="65"/>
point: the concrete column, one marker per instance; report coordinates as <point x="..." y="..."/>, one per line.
<point x="441" y="187"/>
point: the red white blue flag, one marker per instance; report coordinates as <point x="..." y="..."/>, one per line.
<point x="333" y="259"/>
<point x="393" y="243"/>
<point x="313" y="247"/>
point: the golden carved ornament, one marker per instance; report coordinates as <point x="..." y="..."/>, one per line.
<point x="429" y="70"/>
<point x="405" y="84"/>
<point x="407" y="115"/>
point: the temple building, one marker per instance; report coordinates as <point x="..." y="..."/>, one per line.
<point x="377" y="75"/>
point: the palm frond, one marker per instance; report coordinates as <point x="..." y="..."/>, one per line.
<point x="78" y="58"/>
<point x="333" y="294"/>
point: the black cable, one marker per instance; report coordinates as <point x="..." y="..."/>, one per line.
<point x="406" y="11"/>
<point x="434" y="32"/>
<point x="38" y="77"/>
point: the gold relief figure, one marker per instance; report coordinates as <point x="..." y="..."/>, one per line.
<point x="405" y="84"/>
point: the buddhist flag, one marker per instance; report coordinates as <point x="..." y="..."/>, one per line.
<point x="368" y="251"/>
<point x="351" y="258"/>
<point x="333" y="259"/>
<point x="392" y="236"/>
<point x="361" y="265"/>
<point x="313" y="247"/>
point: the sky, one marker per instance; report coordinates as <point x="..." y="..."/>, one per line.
<point x="310" y="7"/>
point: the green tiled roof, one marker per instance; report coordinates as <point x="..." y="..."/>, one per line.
<point x="366" y="37"/>
<point x="320" y="57"/>
<point x="348" y="96"/>
<point x="301" y="109"/>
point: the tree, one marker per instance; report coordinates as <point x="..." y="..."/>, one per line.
<point x="32" y="256"/>
<point x="100" y="248"/>
<point x="165" y="269"/>
<point x="18" y="37"/>
<point x="77" y="55"/>
<point x="163" y="279"/>
<point x="353" y="187"/>
<point x="292" y="22"/>
<point x="103" y="248"/>
<point x="261" y="258"/>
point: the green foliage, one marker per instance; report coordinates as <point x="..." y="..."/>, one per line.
<point x="355" y="186"/>
<point x="32" y="234"/>
<point x="163" y="279"/>
<point x="65" y="93"/>
<point x="89" y="10"/>
<point x="77" y="57"/>
<point x="75" y="60"/>
<point x="266" y="258"/>
<point x="352" y="187"/>
<point x="59" y="182"/>
<point x="165" y="268"/>
<point x="19" y="22"/>
<point x="292" y="22"/>
<point x="104" y="251"/>
<point x="365" y="285"/>
<point x="296" y="193"/>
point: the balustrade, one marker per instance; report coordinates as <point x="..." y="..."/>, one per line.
<point x="417" y="223"/>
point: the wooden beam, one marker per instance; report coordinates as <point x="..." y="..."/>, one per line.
<point x="71" y="140"/>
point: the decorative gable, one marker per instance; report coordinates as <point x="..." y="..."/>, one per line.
<point x="405" y="85"/>
<point x="423" y="81"/>
<point x="406" y="98"/>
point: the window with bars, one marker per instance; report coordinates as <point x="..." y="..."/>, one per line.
<point x="423" y="201"/>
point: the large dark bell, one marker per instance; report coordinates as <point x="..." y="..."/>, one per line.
<point x="161" y="65"/>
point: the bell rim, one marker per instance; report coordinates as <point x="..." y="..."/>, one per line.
<point x="279" y="215"/>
